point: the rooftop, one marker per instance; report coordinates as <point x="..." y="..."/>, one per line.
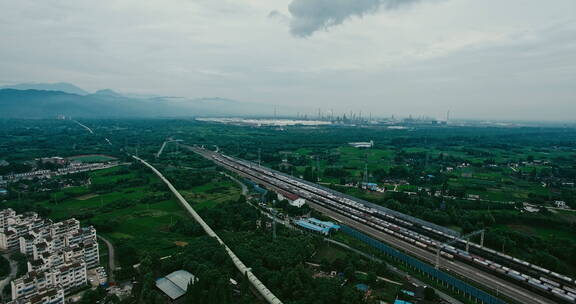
<point x="175" y="284"/>
<point x="311" y="226"/>
<point x="324" y="224"/>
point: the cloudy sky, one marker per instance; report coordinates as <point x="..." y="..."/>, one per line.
<point x="512" y="59"/>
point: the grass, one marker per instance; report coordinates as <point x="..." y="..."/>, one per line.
<point x="111" y="175"/>
<point x="543" y="232"/>
<point x="495" y="184"/>
<point x="103" y="249"/>
<point x="146" y="226"/>
<point x="92" y="158"/>
<point x="80" y="205"/>
<point x="143" y="225"/>
<point x="212" y="194"/>
<point x="329" y="253"/>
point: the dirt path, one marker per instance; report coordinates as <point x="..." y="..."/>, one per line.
<point x="11" y="276"/>
<point x="111" y="261"/>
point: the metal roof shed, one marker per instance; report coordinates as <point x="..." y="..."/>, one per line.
<point x="175" y="284"/>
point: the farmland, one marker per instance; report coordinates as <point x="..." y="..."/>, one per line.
<point x="504" y="180"/>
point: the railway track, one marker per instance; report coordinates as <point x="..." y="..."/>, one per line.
<point x="401" y="234"/>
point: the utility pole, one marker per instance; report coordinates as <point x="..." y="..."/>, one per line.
<point x="274" y="221"/>
<point x="318" y="167"/>
<point x="366" y="170"/>
<point x="274" y="228"/>
<point x="464" y="237"/>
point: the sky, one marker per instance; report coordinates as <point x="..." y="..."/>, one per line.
<point x="478" y="59"/>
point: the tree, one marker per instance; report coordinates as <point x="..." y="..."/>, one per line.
<point x="309" y="174"/>
<point x="429" y="294"/>
<point x="371" y="278"/>
<point x="350" y="272"/>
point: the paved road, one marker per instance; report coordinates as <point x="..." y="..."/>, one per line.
<point x="111" y="260"/>
<point x="84" y="126"/>
<point x="244" y="188"/>
<point x="12" y="275"/>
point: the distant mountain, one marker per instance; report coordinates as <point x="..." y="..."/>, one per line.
<point x="46" y="104"/>
<point x="108" y="92"/>
<point x="107" y="103"/>
<point x="60" y="86"/>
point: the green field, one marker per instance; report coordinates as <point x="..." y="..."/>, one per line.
<point x="329" y="253"/>
<point x="211" y="195"/>
<point x="92" y="158"/>
<point x="146" y="227"/>
<point x="135" y="215"/>
<point x="543" y="232"/>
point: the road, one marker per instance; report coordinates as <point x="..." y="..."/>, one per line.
<point x="111" y="260"/>
<point x="84" y="126"/>
<point x="241" y="184"/>
<point x="11" y="276"/>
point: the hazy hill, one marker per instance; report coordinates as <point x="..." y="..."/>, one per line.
<point x="60" y="86"/>
<point x="107" y="103"/>
<point x="108" y="92"/>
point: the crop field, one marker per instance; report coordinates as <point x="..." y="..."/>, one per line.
<point x="79" y="206"/>
<point x="464" y="178"/>
<point x="543" y="232"/>
<point x="212" y="194"/>
<point x="146" y="227"/>
<point x="135" y="215"/>
<point x="92" y="158"/>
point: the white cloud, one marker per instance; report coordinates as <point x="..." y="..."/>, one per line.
<point x="434" y="55"/>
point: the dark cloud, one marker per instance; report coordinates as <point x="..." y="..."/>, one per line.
<point x="279" y="16"/>
<point x="309" y="16"/>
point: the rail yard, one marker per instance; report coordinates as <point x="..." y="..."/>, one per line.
<point x="429" y="242"/>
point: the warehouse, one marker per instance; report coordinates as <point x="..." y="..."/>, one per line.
<point x="175" y="284"/>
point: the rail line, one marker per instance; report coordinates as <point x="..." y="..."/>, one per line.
<point x="401" y="234"/>
<point x="258" y="285"/>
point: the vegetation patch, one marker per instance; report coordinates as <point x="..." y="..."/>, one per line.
<point x="92" y="158"/>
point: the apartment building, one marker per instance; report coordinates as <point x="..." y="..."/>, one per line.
<point x="59" y="255"/>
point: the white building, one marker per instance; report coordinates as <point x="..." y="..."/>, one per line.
<point x="59" y="255"/>
<point x="293" y="199"/>
<point x="365" y="145"/>
<point x="68" y="276"/>
<point x="53" y="295"/>
<point x="560" y="204"/>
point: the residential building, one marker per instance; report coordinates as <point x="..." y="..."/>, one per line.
<point x="60" y="254"/>
<point x="54" y="295"/>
